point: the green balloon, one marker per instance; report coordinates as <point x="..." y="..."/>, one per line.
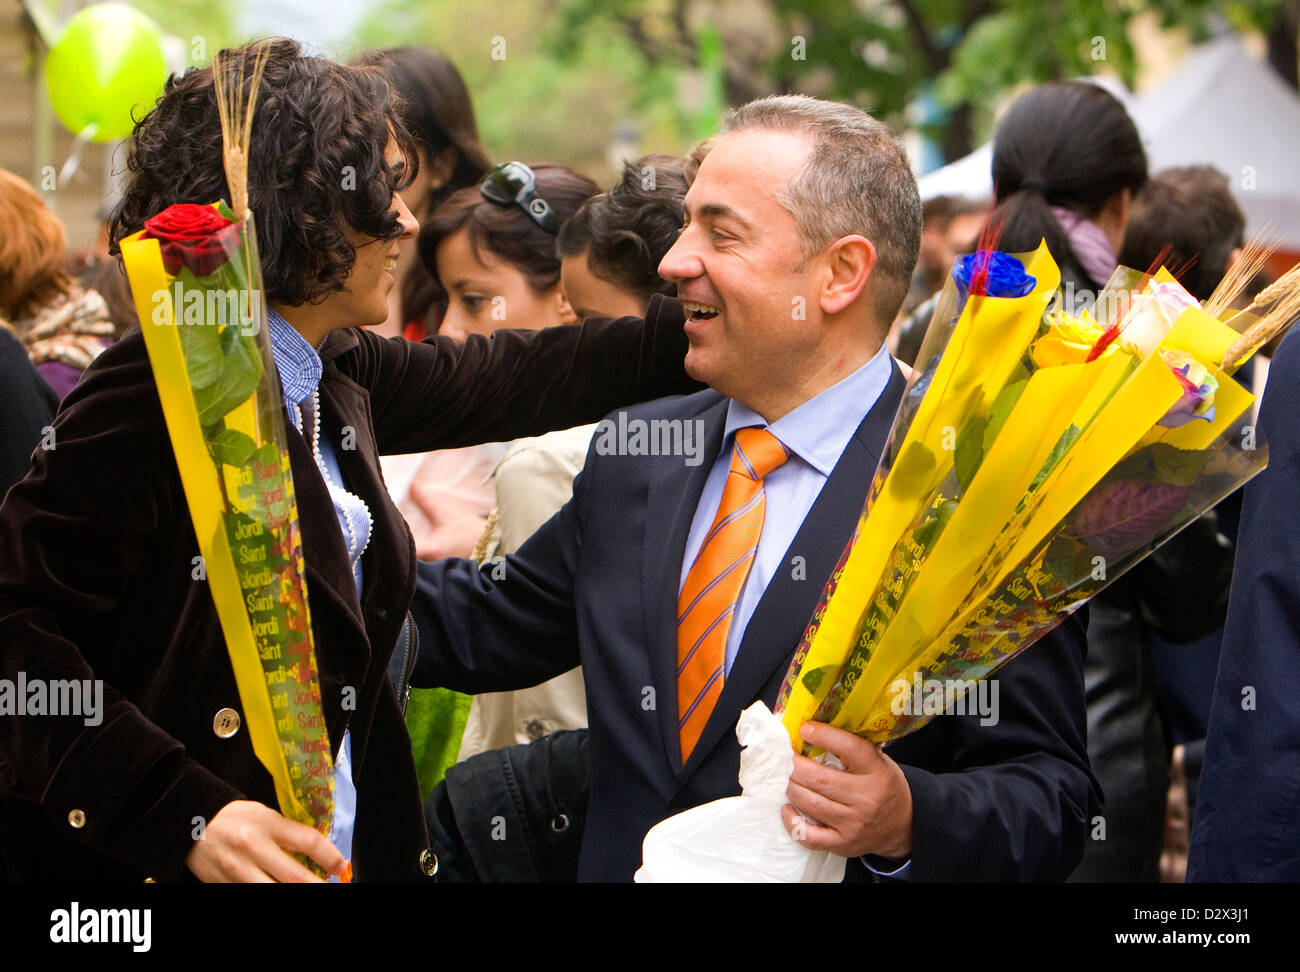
<point x="108" y="60"/>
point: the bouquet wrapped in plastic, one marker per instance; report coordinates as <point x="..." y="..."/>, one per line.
<point x="197" y="285"/>
<point x="1035" y="458"/>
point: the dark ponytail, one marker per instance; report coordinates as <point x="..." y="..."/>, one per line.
<point x="1068" y="144"/>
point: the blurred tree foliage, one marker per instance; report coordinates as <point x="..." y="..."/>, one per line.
<point x="544" y="91"/>
<point x="573" y="72"/>
<point x="202" y="26"/>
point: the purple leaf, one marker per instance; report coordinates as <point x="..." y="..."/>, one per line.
<point x="1124" y="515"/>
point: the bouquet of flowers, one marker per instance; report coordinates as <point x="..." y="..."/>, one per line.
<point x="1036" y="457"/>
<point x="197" y="285"/>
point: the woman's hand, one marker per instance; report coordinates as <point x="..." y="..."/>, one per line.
<point x="248" y="842"/>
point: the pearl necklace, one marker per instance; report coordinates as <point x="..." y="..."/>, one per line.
<point x="330" y="485"/>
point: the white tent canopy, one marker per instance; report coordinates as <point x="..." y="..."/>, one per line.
<point x="1221" y="108"/>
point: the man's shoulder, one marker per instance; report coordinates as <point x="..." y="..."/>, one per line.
<point x="672" y="407"/>
<point x="645" y="442"/>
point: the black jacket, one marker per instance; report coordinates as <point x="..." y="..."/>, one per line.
<point x="598" y="583"/>
<point x="96" y="581"/>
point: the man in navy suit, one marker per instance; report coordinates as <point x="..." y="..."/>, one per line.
<point x="1247" y="823"/>
<point x="802" y="230"/>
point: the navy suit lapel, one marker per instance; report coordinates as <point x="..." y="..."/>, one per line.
<point x="786" y="606"/>
<point x="673" y="494"/>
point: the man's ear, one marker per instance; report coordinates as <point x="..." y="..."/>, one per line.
<point x="850" y="261"/>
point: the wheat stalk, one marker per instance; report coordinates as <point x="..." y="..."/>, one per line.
<point x="1277" y="288"/>
<point x="1285" y="310"/>
<point x="1253" y="257"/>
<point x="237" y="124"/>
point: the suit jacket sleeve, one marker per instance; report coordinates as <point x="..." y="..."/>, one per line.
<point x="71" y="539"/>
<point x="1020" y="791"/>
<point x="440" y="394"/>
<point x="510" y="623"/>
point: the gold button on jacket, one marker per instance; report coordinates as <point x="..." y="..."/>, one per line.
<point x="225" y="723"/>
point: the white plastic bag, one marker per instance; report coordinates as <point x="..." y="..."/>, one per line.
<point x="740" y="839"/>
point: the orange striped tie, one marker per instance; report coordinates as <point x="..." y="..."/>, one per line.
<point x="712" y="590"/>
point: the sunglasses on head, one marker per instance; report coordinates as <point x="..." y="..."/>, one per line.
<point x="513" y="183"/>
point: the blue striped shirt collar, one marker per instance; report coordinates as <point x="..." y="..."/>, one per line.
<point x="295" y="359"/>
<point x="819" y="430"/>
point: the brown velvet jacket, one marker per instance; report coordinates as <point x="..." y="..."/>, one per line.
<point x="96" y="582"/>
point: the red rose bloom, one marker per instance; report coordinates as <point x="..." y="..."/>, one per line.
<point x="194" y="236"/>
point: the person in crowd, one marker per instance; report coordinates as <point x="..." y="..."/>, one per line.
<point x="1067" y="163"/>
<point x="496" y="262"/>
<point x="951" y="228"/>
<point x="799" y="198"/>
<point x="97" y="548"/>
<point x="27" y="406"/>
<point x="608" y="255"/>
<point x="1191" y="211"/>
<point x="1073" y="188"/>
<point x="610" y="248"/>
<point x="1244" y="826"/>
<point x="492" y="252"/>
<point x="934" y="260"/>
<point x="108" y="279"/>
<point x="63" y="325"/>
<point x="435" y="106"/>
<point x="523" y="754"/>
<point x="1186" y="217"/>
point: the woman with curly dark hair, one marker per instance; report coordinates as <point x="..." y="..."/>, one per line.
<point x="100" y="579"/>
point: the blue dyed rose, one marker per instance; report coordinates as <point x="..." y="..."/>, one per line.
<point x="1004" y="275"/>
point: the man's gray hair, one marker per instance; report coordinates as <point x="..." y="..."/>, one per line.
<point x="857" y="181"/>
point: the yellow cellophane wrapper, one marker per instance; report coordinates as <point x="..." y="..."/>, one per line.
<point x="238" y="485"/>
<point x="945" y="577"/>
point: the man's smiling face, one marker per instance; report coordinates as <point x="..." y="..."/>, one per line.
<point x="739" y="267"/>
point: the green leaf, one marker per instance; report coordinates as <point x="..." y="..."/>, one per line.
<point x="970" y="449"/>
<point x="1000" y="409"/>
<point x="241" y="369"/>
<point x="1067" y="439"/>
<point x="1177" y="466"/>
<point x="268" y="455"/>
<point x="813" y="679"/>
<point x="232" y="447"/>
<point x="200" y="344"/>
<point x="913" y="466"/>
<point x="1136" y="466"/>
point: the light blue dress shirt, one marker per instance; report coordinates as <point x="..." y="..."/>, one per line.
<point x="300" y="369"/>
<point x="816" y="433"/>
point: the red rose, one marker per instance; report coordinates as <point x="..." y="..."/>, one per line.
<point x="194" y="236"/>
